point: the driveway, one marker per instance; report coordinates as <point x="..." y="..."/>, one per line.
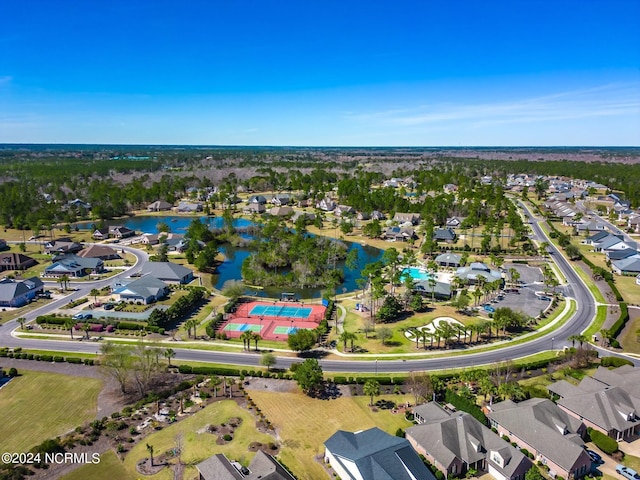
<point x="609" y="465"/>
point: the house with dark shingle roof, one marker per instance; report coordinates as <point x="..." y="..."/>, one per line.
<point x="102" y="252"/>
<point x="476" y="270"/>
<point x="15" y="293"/>
<point x="552" y="435"/>
<point x="626" y="266"/>
<point x="456" y="443"/>
<point x="263" y="467"/>
<point x="374" y="455"/>
<point x="413" y="218"/>
<point x="159" y="206"/>
<point x="15" y="261"/>
<point x="611" y="409"/>
<point x="168" y="272"/>
<point x="444" y="235"/>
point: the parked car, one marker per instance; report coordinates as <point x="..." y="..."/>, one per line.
<point x="489" y="308"/>
<point x="78" y="316"/>
<point x="628" y="473"/>
<point x="595" y="458"/>
<point x="108" y="306"/>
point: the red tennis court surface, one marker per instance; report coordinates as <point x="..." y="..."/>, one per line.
<point x="273" y="324"/>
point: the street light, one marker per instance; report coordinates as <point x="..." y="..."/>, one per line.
<point x="552" y="339"/>
<point x="376" y="367"/>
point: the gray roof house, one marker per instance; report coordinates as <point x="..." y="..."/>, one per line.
<point x="439" y="290"/>
<point x="73" y="266"/>
<point x="159" y="206"/>
<point x="455" y="442"/>
<point x="263" y="466"/>
<point x="168" y="272"/>
<point x="626" y="376"/>
<point x="613" y="255"/>
<point x="626" y="266"/>
<point x="189" y="207"/>
<point x="613" y="410"/>
<point x="400" y="234"/>
<point x="448" y="259"/>
<point x="374" y="455"/>
<point x="596" y="237"/>
<point x="413" y="218"/>
<point x="102" y="252"/>
<point x="471" y="273"/>
<point x="552" y="435"/>
<point x="444" y="235"/>
<point x="14" y="293"/>
<point x="147" y="290"/>
<point x="254" y="208"/>
<point x="259" y="199"/>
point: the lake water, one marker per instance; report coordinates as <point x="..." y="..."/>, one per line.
<point x="230" y="269"/>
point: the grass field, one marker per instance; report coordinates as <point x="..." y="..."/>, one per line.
<point x="304" y="423"/>
<point x="199" y="446"/>
<point x="596" y="326"/>
<point x="109" y="468"/>
<point x="629" y="289"/>
<point x="631" y="339"/>
<point x="37" y="406"/>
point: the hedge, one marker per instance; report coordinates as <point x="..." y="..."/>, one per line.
<point x="231" y="372"/>
<point x="615" y="362"/>
<point x="604" y="442"/>
<point x="51" y="320"/>
<point x="617" y="327"/>
<point x="130" y="326"/>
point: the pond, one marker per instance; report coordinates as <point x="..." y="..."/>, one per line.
<point x="234" y="256"/>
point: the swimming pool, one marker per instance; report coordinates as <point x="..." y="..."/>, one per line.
<point x="416" y="273"/>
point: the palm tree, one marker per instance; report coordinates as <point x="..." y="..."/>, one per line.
<point x="579" y="338"/>
<point x="447" y="332"/>
<point x="345" y="337"/>
<point x="432" y="285"/>
<point x="246" y="340"/>
<point x="150" y="450"/>
<point x="69" y="323"/>
<point x="22" y="321"/>
<point x="215" y="381"/>
<point x="371" y="388"/>
<point x="256" y="338"/>
<point x="169" y="354"/>
<point x="94" y="293"/>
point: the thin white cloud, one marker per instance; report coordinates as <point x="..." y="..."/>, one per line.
<point x="604" y="100"/>
<point x="5" y="80"/>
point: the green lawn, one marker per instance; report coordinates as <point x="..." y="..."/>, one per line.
<point x="199" y="446"/>
<point x="596" y="326"/>
<point x="304" y="423"/>
<point x="629" y="289"/>
<point x="37" y="406"/>
<point x="109" y="468"/>
<point x="631" y="339"/>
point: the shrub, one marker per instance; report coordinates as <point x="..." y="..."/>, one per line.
<point x="465" y="405"/>
<point x="74" y="360"/>
<point x="227" y="437"/>
<point x="604" y="442"/>
<point x="615" y="362"/>
<point x="58" y="359"/>
<point x="13" y="372"/>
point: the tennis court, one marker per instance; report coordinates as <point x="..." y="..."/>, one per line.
<point x="242" y="327"/>
<point x="273" y="321"/>
<point x="280" y="311"/>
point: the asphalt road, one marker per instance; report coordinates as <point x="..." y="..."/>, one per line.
<point x="556" y="339"/>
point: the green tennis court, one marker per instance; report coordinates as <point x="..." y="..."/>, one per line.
<point x="242" y="327"/>
<point x="285" y="330"/>
<point x="281" y="311"/>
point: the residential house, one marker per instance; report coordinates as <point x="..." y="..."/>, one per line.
<point x="155" y="238"/>
<point x="159" y="206"/>
<point x="120" y="231"/>
<point x="633" y="222"/>
<point x="613" y="255"/>
<point x="15" y="293"/>
<point x="304" y="203"/>
<point x="626" y="376"/>
<point x="79" y="204"/>
<point x="454" y="222"/>
<point x="457" y="443"/>
<point x="326" y="205"/>
<point x="398" y="234"/>
<point x="589" y="226"/>
<point x="613" y="410"/>
<point x="626" y="266"/>
<point x="102" y="252"/>
<point x="610" y="242"/>
<point x="374" y="455"/>
<point x="255" y="207"/>
<point x="596" y="237"/>
<point x="412" y="218"/>
<point x="552" y="435"/>
<point x="309" y="217"/>
<point x="62" y="246"/>
<point x="342" y="210"/>
<point x="450" y="188"/>
<point x="189" y="207"/>
<point x="100" y="233"/>
<point x="257" y="199"/>
<point x="363" y="216"/>
<point x="15" y="261"/>
<point x="444" y="235"/>
<point x="263" y="466"/>
<point x="377" y="215"/>
<point x="281" y="199"/>
<point x="476" y="270"/>
<point x="73" y="266"/>
<point x="147" y="289"/>
<point x="280" y="211"/>
<point x="168" y="272"/>
<point x="448" y="260"/>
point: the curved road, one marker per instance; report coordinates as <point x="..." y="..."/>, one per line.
<point x="577" y="324"/>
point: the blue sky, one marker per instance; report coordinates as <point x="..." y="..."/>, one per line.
<point x="335" y="73"/>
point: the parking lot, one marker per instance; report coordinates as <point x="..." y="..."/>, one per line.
<point x="525" y="300"/>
